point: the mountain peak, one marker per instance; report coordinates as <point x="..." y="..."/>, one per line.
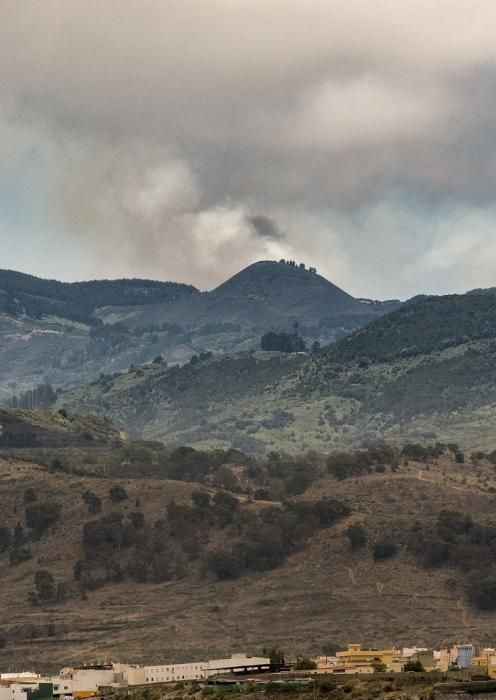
<point x="284" y="282"/>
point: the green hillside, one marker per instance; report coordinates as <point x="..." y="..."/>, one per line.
<point x="423" y="372"/>
<point x="71" y="333"/>
<point x="25" y="295"/>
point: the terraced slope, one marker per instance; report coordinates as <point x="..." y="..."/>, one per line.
<point x="323" y="594"/>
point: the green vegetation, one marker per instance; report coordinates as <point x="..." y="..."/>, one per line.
<point x="457" y="540"/>
<point x="343" y="465"/>
<point x="422" y="325"/>
<point x="31" y="296"/>
<point x="41" y="516"/>
<point x="303" y="663"/>
<point x="357" y="536"/>
<point x="218" y="536"/>
<point x="414" y="665"/>
<point x="283" y="342"/>
<point x="370" y="386"/>
<point x="384" y="549"/>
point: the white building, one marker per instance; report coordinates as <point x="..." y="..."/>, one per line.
<point x="193" y="671"/>
<point x="174" y="672"/>
<point x="87" y="679"/>
<point x="14" y="691"/>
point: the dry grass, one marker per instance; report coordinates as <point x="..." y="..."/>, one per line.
<point x="322" y="594"/>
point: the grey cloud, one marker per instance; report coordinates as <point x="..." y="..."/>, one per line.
<point x="265" y="227"/>
<point x="164" y="129"/>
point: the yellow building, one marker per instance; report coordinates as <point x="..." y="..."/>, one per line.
<point x="485" y="663"/>
<point x="355" y="655"/>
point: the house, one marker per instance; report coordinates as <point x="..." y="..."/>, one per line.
<point x="356" y="655"/>
<point x="485" y="663"/>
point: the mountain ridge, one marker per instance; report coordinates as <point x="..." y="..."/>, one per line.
<point x="72" y="332"/>
<point x="373" y="384"/>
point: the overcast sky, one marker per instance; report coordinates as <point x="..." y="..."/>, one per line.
<point x="184" y="139"/>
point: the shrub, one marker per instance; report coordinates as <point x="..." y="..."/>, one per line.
<point x="413" y="665"/>
<point x="357" y="536"/>
<point x="40" y="516"/>
<point x="224" y="565"/>
<point x="17" y="556"/>
<point x="29" y="496"/>
<point x="117" y="493"/>
<point x="45" y="586"/>
<point x="303" y="663"/>
<point x="5" y="538"/>
<point x="327" y="686"/>
<point x="384" y="549"/>
<point x="93" y="501"/>
<point x="137" y="519"/>
<point x="482" y="590"/>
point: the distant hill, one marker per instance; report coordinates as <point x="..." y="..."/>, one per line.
<point x="264" y="295"/>
<point x="25" y="295"/>
<point x="423" y="372"/>
<point x="54" y="429"/>
<point x="424" y="324"/>
<point x="70" y="333"/>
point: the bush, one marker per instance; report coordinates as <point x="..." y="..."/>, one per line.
<point x="93" y="501"/>
<point x="224" y="565"/>
<point x="29" y="496"/>
<point x="482" y="590"/>
<point x="5" y="538"/>
<point x="137" y="519"/>
<point x="357" y="536"/>
<point x="117" y="493"/>
<point x="40" y="516"/>
<point x="303" y="663"/>
<point x="327" y="686"/>
<point x="17" y="556"/>
<point x="384" y="550"/>
<point x="45" y="586"/>
<point x="413" y="665"/>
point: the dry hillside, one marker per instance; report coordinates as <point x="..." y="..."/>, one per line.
<point x="322" y="594"/>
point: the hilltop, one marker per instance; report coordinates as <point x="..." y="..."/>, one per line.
<point x="23" y="295"/>
<point x="270" y="294"/>
<point x="72" y="332"/>
<point x="422" y="372"/>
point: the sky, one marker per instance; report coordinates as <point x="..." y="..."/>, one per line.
<point x="184" y="139"/>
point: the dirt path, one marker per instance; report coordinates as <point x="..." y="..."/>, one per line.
<point x="461" y="607"/>
<point x="351" y="575"/>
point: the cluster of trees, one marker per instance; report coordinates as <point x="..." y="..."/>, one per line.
<point x="282" y="342"/>
<point x="212" y="535"/>
<point x="421" y="325"/>
<point x="272" y="534"/>
<point x="426" y="453"/>
<point x="343" y="465"/>
<point x="46" y="590"/>
<point x="39" y="516"/>
<point x="457" y="540"/>
<point x="34" y="297"/>
<point x="301" y="266"/>
<point x="272" y="478"/>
